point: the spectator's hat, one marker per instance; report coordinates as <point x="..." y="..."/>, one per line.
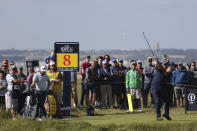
<point x="189" y="64"/>
<point x="113" y="60"/>
<point x="133" y="62"/>
<point x="139" y="61"/>
<point x="95" y="59"/>
<point x="149" y="58"/>
<point x="120" y="60"/>
<point x="52" y="63"/>
<point x="104" y="62"/>
<point x="51" y="57"/>
<point x="43" y="68"/>
<point x="13" y="67"/>
<point x="20" y="67"/>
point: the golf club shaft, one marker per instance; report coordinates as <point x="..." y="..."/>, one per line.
<point x="148" y="44"/>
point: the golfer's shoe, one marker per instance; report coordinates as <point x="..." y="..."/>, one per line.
<point x="167" y="117"/>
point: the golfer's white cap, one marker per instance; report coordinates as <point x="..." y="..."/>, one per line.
<point x="43" y="68"/>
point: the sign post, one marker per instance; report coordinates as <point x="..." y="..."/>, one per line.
<point x="67" y="60"/>
<point x="191" y="99"/>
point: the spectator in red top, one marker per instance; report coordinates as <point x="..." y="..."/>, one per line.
<point x="30" y="76"/>
<point x="140" y="68"/>
<point x="84" y="66"/>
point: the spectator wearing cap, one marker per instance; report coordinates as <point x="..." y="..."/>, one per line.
<point x="55" y="78"/>
<point x="22" y="96"/>
<point x="13" y="91"/>
<point x="11" y="63"/>
<point x="105" y="79"/>
<point x="165" y="58"/>
<point x="41" y="82"/>
<point x="134" y="83"/>
<point x="179" y="79"/>
<point x="149" y="71"/>
<point x="115" y="82"/>
<point x="3" y="89"/>
<point x="122" y="73"/>
<point x="51" y="56"/>
<point x="188" y="66"/>
<point x="90" y="84"/>
<point x="141" y="69"/>
<point x="84" y="66"/>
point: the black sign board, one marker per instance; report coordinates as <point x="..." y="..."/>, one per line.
<point x="191" y="99"/>
<point x="33" y="63"/>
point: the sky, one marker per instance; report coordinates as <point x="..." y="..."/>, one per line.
<point x="98" y="24"/>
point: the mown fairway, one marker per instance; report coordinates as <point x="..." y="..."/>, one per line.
<point x="110" y="119"/>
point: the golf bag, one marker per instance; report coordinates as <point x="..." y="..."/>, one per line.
<point x="50" y="105"/>
<point x="31" y="106"/>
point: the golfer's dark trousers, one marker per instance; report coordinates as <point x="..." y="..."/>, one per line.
<point x="160" y="95"/>
<point x="41" y="97"/>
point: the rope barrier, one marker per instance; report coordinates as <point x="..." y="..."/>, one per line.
<point x="182" y="85"/>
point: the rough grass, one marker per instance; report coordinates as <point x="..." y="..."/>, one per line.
<point x="105" y="120"/>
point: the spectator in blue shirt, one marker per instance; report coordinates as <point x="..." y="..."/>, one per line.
<point x="179" y="79"/>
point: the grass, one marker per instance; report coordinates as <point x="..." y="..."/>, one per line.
<point x="105" y="120"/>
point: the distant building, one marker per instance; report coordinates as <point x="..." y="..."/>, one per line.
<point x="156" y="46"/>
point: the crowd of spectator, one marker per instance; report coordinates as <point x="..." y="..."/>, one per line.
<point x="105" y="84"/>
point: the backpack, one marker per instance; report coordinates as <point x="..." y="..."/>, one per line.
<point x="90" y="111"/>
